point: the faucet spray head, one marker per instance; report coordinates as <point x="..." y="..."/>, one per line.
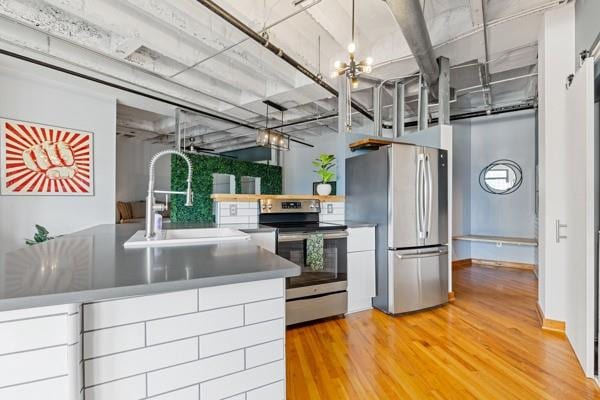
<point x="189" y="196"/>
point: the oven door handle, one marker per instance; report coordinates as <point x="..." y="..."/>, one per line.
<point x="294" y="237"/>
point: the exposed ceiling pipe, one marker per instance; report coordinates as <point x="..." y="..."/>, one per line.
<point x="410" y="18"/>
<point x="265" y="29"/>
<point x="264" y="41"/>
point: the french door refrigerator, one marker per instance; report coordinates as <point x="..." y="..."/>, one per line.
<point x="403" y="189"/>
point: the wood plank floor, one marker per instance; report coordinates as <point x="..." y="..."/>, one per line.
<point x="485" y="345"/>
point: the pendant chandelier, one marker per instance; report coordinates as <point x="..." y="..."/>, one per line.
<point x="352" y="69"/>
<point x="272" y="138"/>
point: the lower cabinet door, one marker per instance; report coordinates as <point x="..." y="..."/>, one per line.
<point x="361" y="280"/>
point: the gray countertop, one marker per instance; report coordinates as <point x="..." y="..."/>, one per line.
<point x="93" y="265"/>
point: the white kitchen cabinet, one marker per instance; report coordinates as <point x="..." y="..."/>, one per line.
<point x="361" y="268"/>
<point x="266" y="240"/>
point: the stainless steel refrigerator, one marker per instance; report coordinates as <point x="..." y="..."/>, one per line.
<point x="404" y="190"/>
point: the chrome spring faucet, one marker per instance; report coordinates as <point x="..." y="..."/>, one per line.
<point x="151" y="206"/>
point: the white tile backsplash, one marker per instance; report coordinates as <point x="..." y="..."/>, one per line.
<point x="51" y="389"/>
<point x="264" y="311"/>
<point x="220" y="342"/>
<point x="241" y="396"/>
<point x="264" y="353"/>
<point x="189" y="393"/>
<point x="137" y="309"/>
<point x="246" y="212"/>
<point x="187" y="374"/>
<point x="113" y="340"/>
<point x="33" y="365"/>
<point x="108" y="368"/>
<point x="165" y="347"/>
<point x="274" y="391"/>
<point x="33" y="333"/>
<point x="132" y="388"/>
<point x="242" y="381"/>
<point x="183" y="326"/>
<point x="34" y="312"/>
<point x="240" y="293"/>
<point x="332" y="211"/>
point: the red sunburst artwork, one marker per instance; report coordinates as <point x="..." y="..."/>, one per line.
<point x="44" y="160"/>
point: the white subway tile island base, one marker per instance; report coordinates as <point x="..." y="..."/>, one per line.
<point x="215" y="341"/>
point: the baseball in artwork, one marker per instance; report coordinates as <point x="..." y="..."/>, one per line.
<point x="44" y="160"/>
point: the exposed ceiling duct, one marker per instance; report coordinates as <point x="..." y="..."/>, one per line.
<point x="410" y="18"/>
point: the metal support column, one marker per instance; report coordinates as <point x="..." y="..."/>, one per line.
<point x="398" y="110"/>
<point x="444" y="91"/>
<point x="377" y="111"/>
<point x="423" y="105"/>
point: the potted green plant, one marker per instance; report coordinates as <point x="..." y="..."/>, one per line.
<point x="324" y="165"/>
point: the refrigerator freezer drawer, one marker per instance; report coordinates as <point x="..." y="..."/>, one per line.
<point x="418" y="279"/>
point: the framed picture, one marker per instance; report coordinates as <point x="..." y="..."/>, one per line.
<point x="43" y="160"/>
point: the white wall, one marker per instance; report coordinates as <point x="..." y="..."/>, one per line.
<point x="556" y="42"/>
<point x="39" y="95"/>
<point x="587" y="28"/>
<point x="133" y="159"/>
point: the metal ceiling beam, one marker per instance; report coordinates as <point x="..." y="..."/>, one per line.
<point x="210" y="5"/>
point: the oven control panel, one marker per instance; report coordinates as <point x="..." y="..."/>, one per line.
<point x="268" y="206"/>
<point x="291" y="205"/>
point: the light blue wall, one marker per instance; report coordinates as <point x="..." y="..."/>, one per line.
<point x="461" y="177"/>
<point x="298" y="175"/>
<point x="510" y="136"/>
<point x="478" y="142"/>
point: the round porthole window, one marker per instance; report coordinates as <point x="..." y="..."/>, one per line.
<point x="501" y="177"/>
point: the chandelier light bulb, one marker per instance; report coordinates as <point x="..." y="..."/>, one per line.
<point x="354" y="82"/>
<point x="337" y="64"/>
<point x="351" y="48"/>
<point x="369" y="61"/>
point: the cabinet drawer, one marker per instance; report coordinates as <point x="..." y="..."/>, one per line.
<point x="316" y="307"/>
<point x="361" y="239"/>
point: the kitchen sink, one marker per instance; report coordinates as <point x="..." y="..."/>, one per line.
<point x="186" y="237"/>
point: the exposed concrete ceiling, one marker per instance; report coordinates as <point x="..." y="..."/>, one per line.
<point x="184" y="51"/>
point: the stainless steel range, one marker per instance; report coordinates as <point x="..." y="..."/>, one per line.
<point x="317" y="292"/>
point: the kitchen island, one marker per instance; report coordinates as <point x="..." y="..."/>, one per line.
<point x="81" y="315"/>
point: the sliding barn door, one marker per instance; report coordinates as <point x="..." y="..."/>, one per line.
<point x="580" y="213"/>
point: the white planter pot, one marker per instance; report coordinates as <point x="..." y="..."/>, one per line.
<point x="324" y="189"/>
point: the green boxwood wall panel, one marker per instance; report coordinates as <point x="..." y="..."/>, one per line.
<point x="202" y="183"/>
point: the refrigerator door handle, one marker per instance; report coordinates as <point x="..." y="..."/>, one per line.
<point x="420" y="195"/>
<point x="429" y="194"/>
<point x="422" y="255"/>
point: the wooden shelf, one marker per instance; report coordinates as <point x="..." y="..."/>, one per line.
<point x="369" y="144"/>
<point x="517" y="241"/>
<point x="255" y="197"/>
